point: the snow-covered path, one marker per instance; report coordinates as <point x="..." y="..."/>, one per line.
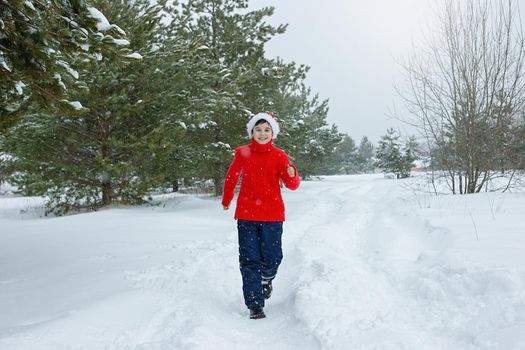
<point x="368" y="264"/>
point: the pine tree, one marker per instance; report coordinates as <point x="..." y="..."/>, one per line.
<point x="307" y="137"/>
<point x="230" y="82"/>
<point x="388" y="153"/>
<point x="409" y="156"/>
<point x="43" y="47"/>
<point x="131" y="107"/>
<point x="109" y="153"/>
<point x="365" y="156"/>
<point x="346" y="156"/>
<point x="391" y="158"/>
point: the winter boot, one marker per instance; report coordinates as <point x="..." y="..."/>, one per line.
<point x="257" y="313"/>
<point x="267" y="289"/>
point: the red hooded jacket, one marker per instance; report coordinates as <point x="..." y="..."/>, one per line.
<point x="261" y="167"/>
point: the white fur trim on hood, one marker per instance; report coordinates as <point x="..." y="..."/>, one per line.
<point x="266" y="116"/>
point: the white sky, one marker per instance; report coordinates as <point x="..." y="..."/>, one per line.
<point x="352" y="47"/>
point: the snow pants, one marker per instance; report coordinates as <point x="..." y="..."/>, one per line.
<point x="260" y="254"/>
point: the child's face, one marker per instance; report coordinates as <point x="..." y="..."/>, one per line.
<point x="262" y="133"/>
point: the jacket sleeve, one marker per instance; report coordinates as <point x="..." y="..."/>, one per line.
<point x="291" y="183"/>
<point x="232" y="177"/>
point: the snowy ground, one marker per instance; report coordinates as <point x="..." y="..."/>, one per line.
<point x="369" y="264"/>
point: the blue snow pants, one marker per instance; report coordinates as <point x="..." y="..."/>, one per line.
<point x="260" y="254"/>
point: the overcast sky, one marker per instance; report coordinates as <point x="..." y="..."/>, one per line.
<point x="352" y="47"/>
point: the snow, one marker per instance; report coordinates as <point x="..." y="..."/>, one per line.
<point x="70" y="70"/>
<point x="5" y="189"/>
<point x="204" y="125"/>
<point x="118" y="29"/>
<point x="121" y="42"/>
<point x="19" y="87"/>
<point x="73" y="73"/>
<point x="135" y="55"/>
<point x="75" y="104"/>
<point x="221" y="145"/>
<point x="3" y="63"/>
<point x="29" y="4"/>
<point x="369" y="263"/>
<point x="102" y="22"/>
<point x="58" y="78"/>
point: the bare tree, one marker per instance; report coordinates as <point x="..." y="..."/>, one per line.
<point x="466" y="90"/>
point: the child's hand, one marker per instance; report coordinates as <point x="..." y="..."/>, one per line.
<point x="225" y="207"/>
<point x="291" y="171"/>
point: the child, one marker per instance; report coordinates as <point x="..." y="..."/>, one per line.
<point x="260" y="208"/>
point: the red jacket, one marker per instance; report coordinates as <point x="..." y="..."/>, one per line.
<point x="261" y="167"/>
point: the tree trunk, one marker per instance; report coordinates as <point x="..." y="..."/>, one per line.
<point x="217" y="182"/>
<point x="107" y="191"/>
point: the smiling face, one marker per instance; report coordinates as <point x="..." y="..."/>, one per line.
<point x="262" y="133"/>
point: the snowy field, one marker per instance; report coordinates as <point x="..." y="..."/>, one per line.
<point x="369" y="263"/>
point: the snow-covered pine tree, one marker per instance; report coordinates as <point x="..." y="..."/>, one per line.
<point x="43" y="46"/>
<point x="227" y="77"/>
<point x="307" y="137"/>
<point x="388" y="154"/>
<point x="410" y="154"/>
<point x="108" y="154"/>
